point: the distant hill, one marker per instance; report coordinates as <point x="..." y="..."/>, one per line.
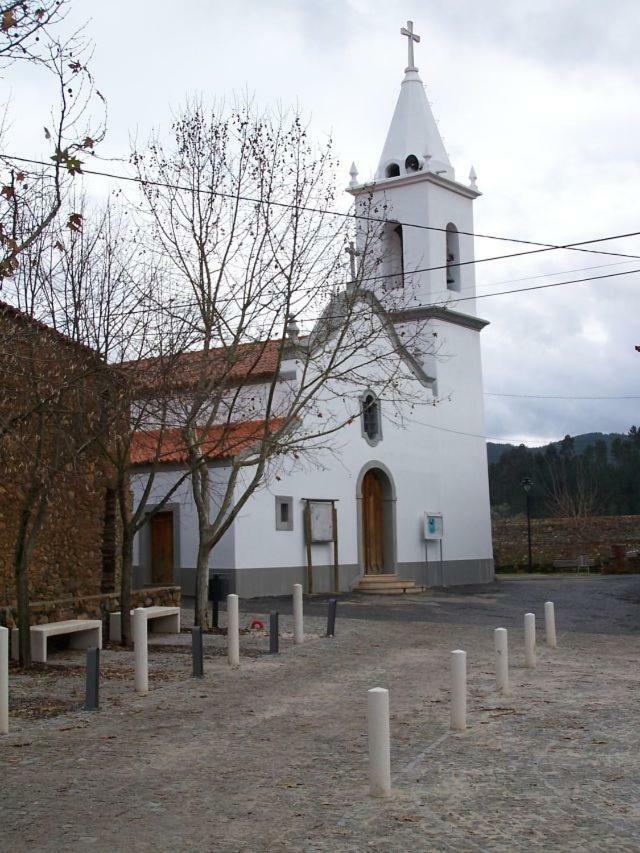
<point x="580" y="443"/>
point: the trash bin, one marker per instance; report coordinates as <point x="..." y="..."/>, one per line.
<point x="218" y="590"/>
<point x="218" y="587"/>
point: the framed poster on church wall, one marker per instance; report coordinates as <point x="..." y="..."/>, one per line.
<point x="433" y="525"/>
<point x="321" y="513"/>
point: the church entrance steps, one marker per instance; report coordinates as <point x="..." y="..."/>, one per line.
<point x="384" y="585"/>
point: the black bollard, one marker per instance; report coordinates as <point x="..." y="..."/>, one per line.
<point x="197" y="652"/>
<point x="92" y="690"/>
<point x="331" y="617"/>
<point x="274" y="633"/>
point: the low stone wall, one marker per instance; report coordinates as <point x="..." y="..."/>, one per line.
<point x="91" y="606"/>
<point x="555" y="539"/>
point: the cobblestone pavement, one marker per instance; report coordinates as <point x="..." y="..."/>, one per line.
<point x="272" y="756"/>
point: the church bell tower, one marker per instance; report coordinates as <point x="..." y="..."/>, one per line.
<point x="423" y="252"/>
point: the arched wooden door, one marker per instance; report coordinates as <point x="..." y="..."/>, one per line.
<point x="372" y="524"/>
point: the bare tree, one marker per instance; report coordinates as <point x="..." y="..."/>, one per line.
<point x="573" y="494"/>
<point x="110" y="294"/>
<point x="242" y="209"/>
<point x="23" y="24"/>
<point x="30" y="191"/>
<point x="140" y="447"/>
<point x="85" y="304"/>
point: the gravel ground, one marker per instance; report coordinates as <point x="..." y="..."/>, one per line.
<point x="272" y="756"/>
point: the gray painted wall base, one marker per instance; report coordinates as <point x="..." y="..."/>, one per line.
<point x="279" y="580"/>
<point x="448" y="573"/>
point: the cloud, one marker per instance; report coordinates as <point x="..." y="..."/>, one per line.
<point x="540" y="96"/>
<point x="559" y="34"/>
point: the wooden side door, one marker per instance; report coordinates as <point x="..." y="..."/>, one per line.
<point x="162" y="548"/>
<point x="372" y="523"/>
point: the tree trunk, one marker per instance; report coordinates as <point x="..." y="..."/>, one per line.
<point x="30" y="525"/>
<point x="201" y="616"/>
<point x="109" y="542"/>
<point x="126" y="584"/>
<point x="126" y="560"/>
<point x="24" y="616"/>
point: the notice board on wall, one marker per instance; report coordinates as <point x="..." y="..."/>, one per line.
<point x="433" y="525"/>
<point x="321" y="513"/>
<point x="321" y="526"/>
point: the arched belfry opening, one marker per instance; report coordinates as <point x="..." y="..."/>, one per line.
<point x="377" y="522"/>
<point x="453" y="257"/>
<point x="392" y="170"/>
<point x="411" y="164"/>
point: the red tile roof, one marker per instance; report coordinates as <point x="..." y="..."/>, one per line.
<point x="248" y="362"/>
<point x="217" y="442"/>
<point x="13" y="313"/>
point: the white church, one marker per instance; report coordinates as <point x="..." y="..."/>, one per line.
<point x="405" y="506"/>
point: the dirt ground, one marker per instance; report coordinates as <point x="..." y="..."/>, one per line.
<point x="273" y="755"/>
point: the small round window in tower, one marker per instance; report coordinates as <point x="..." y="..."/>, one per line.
<point x="412" y="164"/>
<point x="392" y="170"/>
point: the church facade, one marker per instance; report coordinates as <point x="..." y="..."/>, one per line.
<point x="405" y="505"/>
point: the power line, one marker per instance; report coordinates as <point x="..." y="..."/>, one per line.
<point x="579" y="246"/>
<point x="448" y="293"/>
<point x="452" y="302"/>
<point x="541" y="286"/>
<point x="493" y="438"/>
<point x="556" y="397"/>
<point x="545" y="275"/>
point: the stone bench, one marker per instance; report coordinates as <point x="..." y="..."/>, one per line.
<point x="580" y="563"/>
<point x="160" y="620"/>
<point x="83" y="634"/>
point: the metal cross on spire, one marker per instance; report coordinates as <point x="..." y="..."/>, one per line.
<point x="411" y="37"/>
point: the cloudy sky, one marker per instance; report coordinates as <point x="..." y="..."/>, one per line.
<point x="541" y="96"/>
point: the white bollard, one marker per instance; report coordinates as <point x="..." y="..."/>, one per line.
<point x="140" y="652"/>
<point x="379" y="742"/>
<point x="502" y="660"/>
<point x="298" y="618"/>
<point x="458" y="690"/>
<point x="530" y="640"/>
<point x="550" y="624"/>
<point x="4" y="681"/>
<point x="233" y="630"/>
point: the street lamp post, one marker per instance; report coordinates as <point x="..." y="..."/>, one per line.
<point x="527" y="483"/>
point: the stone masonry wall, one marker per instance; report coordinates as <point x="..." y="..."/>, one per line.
<point x="52" y="394"/>
<point x="91" y="606"/>
<point x="555" y="539"/>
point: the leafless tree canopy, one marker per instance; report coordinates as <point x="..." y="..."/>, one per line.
<point x="32" y="195"/>
<point x="572" y="493"/>
<point x="240" y="207"/>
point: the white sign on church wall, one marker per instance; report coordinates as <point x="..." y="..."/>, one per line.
<point x="433" y="525"/>
<point x="321" y="521"/>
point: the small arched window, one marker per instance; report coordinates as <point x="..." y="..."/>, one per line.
<point x="392" y="170"/>
<point x="371" y="425"/>
<point x="453" y="258"/>
<point x="393" y="255"/>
